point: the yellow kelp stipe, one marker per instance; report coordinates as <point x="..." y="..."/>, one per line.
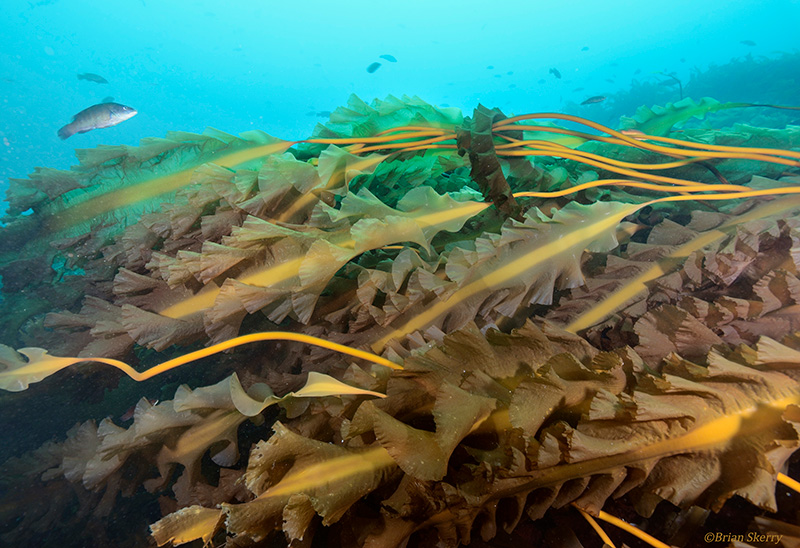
<point x="635" y="531"/>
<point x="638" y="140"/>
<point x="19" y="374"/>
<point x="596" y="526"/>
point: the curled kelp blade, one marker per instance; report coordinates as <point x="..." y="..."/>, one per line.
<point x="317" y="385"/>
<point x="186" y="525"/>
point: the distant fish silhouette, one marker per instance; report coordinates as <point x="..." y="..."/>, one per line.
<point x="748" y="43"/>
<point x="389" y="58"/>
<point x="373" y="67"/>
<point x="490" y="67"/>
<point x="92" y="78"/>
<point x="595" y="99"/>
<point x="585" y="48"/>
<point x="555" y="73"/>
<point x="107" y="100"/>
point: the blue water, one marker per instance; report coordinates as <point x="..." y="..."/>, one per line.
<point x="189" y="64"/>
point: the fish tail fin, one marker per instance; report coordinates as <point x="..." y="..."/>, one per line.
<point x="66" y="132"/>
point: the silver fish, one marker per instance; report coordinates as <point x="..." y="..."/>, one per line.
<point x="95" y="117"/>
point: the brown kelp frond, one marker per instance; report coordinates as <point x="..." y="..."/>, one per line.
<point x="523" y="264"/>
<point x="381" y="231"/>
<point x="181" y="431"/>
<point x="284" y="269"/>
<point x="694" y="251"/>
<point x="18" y="372"/>
<point x="604" y="426"/>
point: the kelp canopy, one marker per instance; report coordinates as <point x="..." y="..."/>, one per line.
<point x="479" y="321"/>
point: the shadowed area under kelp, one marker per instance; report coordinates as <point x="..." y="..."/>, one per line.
<point x="411" y="328"/>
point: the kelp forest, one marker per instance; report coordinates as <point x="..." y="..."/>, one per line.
<point x="414" y="328"/>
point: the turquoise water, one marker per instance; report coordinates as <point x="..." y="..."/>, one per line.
<point x="185" y="65"/>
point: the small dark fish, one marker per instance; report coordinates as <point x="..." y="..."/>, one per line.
<point x="637" y="71"/>
<point x="585" y="48"/>
<point x="683" y="59"/>
<point x="323" y="113"/>
<point x="748" y="43"/>
<point x="510" y="72"/>
<point x="578" y="89"/>
<point x="107" y="100"/>
<point x="497" y="75"/>
<point x="555" y="73"/>
<point x="595" y="99"/>
<point x="373" y="67"/>
<point x="92" y="78"/>
<point x="389" y="58"/>
<point x="96" y="117"/>
<point x="490" y="67"/>
<point x="609" y="80"/>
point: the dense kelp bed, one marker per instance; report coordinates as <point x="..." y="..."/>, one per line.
<point x="411" y="328"/>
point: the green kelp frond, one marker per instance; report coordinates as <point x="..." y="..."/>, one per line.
<point x="359" y="119"/>
<point x="660" y="120"/>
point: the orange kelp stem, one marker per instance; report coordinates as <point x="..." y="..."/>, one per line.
<point x="601" y="165"/>
<point x="239" y="341"/>
<point x="596" y="526"/>
<point x="631" y="184"/>
<point x="534" y="144"/>
<point x="417" y="145"/>
<point x="635" y="531"/>
<point x="507" y="125"/>
<point x="704" y="146"/>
